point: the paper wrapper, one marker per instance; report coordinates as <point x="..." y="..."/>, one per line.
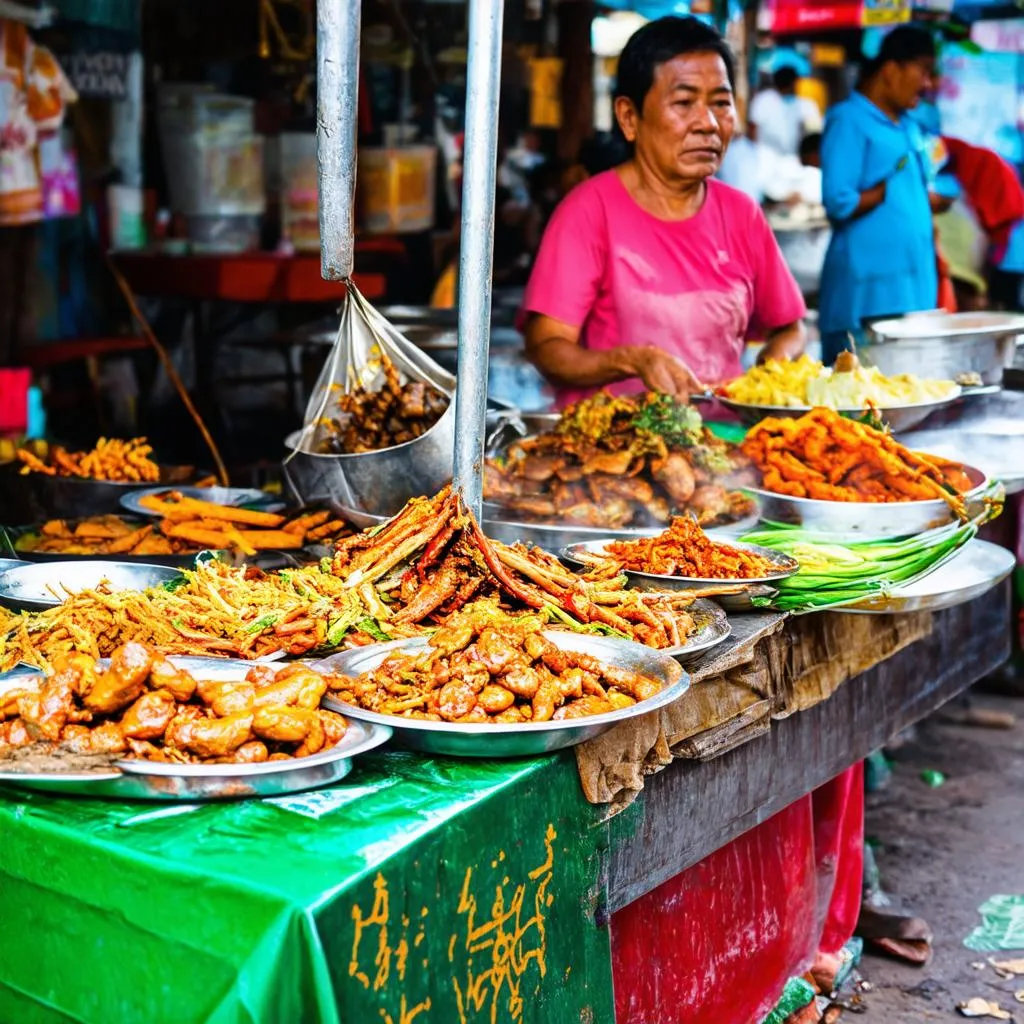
<point x="770" y="667"/>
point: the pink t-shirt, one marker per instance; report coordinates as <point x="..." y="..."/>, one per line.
<point x="695" y="288"/>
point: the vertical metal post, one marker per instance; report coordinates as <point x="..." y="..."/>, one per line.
<point x="337" y="127"/>
<point x="479" y="173"/>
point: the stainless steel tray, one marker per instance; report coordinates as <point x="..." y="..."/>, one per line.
<point x="498" y="525"/>
<point x="529" y="738"/>
<point x="592" y="553"/>
<point x="712" y="629"/>
<point x="900" y="417"/>
<point x="13" y="534"/>
<point x="28" y="587"/>
<point x="145" y="780"/>
<point x="970" y="574"/>
<point x="234" y="497"/>
<point x="856" y="520"/>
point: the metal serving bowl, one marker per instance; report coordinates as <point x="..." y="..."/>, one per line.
<point x="36" y="497"/>
<point x="898" y="417"/>
<point x="947" y="344"/>
<point x="135" y="779"/>
<point x="379" y="483"/>
<point x="594" y="552"/>
<point x="860" y="520"/>
<point x="529" y="738"/>
<point x="35" y="587"/>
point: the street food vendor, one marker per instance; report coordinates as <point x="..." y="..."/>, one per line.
<point x="654" y="274"/>
<point x="882" y="260"/>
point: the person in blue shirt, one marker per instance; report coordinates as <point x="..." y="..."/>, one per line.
<point x="875" y="187"/>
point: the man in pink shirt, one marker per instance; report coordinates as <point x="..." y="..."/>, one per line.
<point x="654" y="274"/>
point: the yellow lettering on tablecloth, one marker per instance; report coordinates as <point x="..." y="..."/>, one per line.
<point x="507" y="937"/>
<point x="497" y="940"/>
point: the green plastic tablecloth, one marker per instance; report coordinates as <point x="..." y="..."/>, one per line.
<point x="418" y="889"/>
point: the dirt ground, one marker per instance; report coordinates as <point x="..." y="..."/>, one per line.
<point x="944" y="851"/>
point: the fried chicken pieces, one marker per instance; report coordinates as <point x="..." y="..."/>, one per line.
<point x="825" y="456"/>
<point x="486" y="666"/>
<point x="367" y="421"/>
<point x="600" y="467"/>
<point x="142" y="706"/>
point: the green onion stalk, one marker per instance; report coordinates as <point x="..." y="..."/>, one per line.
<point x="832" y="575"/>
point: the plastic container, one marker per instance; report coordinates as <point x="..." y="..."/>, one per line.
<point x="212" y="156"/>
<point x="224" y="232"/>
<point x="300" y="225"/>
<point x="396" y="189"/>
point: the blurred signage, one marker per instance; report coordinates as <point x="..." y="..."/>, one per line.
<point x="999" y="36"/>
<point x="793" y="16"/>
<point x="102" y="75"/>
<point x="827" y="55"/>
<point x="885" y="12"/>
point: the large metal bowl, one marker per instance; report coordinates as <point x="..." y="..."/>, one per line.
<point x="35" y="587"/>
<point x="529" y="738"/>
<point x="133" y="779"/>
<point x="945" y="345"/>
<point x="843" y="521"/>
<point x="36" y="497"/>
<point x="378" y="483"/>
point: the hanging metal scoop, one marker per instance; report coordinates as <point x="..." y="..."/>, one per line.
<point x="377" y="483"/>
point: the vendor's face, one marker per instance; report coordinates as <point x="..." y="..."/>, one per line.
<point x="688" y="117"/>
<point x="910" y="80"/>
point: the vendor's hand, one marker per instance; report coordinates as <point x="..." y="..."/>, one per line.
<point x="660" y="371"/>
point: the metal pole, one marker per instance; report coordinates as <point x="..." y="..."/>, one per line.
<point x="479" y="173"/>
<point x="337" y="125"/>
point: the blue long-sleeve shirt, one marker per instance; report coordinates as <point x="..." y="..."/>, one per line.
<point x="881" y="263"/>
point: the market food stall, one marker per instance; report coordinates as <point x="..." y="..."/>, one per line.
<point x="475" y="868"/>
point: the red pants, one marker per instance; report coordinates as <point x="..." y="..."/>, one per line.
<point x="717" y="943"/>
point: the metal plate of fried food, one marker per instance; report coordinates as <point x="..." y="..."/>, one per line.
<point x="501" y="524"/>
<point x="843" y="521"/>
<point x="594" y="553"/>
<point x="137" y="779"/>
<point x="233" y="497"/>
<point x="526" y="739"/>
<point x="41" y="585"/>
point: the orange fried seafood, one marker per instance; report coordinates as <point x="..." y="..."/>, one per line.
<point x="141" y="706"/>
<point x="825" y="456"/>
<point x="684" y="549"/>
<point x="488" y="667"/>
<point x="114" y="460"/>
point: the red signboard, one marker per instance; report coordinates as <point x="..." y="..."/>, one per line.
<point x="800" y="16"/>
<point x="793" y="16"/>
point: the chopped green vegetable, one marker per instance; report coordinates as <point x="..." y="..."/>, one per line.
<point x="172" y="585"/>
<point x="265" y="622"/>
<point x="372" y="628"/>
<point x="680" y="426"/>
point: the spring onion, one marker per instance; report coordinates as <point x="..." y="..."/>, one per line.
<point x="833" y="574"/>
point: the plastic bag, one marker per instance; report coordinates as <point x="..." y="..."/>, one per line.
<point x="370" y="486"/>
